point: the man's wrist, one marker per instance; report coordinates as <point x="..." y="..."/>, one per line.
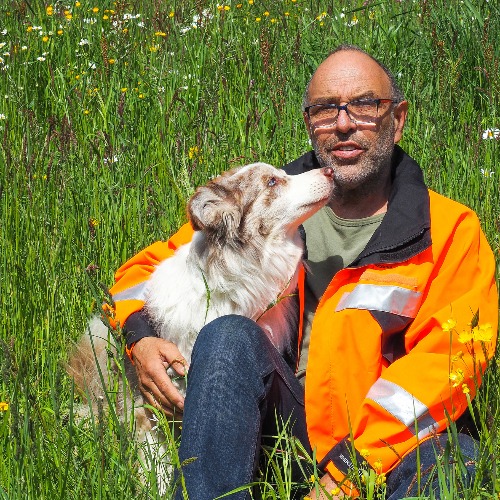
<point x="136" y="328"/>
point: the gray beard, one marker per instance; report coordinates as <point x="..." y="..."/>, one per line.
<point x="358" y="178"/>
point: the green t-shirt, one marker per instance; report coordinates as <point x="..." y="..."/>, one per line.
<point x="332" y="244"/>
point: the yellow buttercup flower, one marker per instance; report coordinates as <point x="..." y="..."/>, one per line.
<point x="483" y="333"/>
<point x="364" y="453"/>
<point x="457" y="357"/>
<point x="465" y="389"/>
<point x="335" y="492"/>
<point x="448" y="325"/>
<point x="378" y="465"/>
<point x="4" y="406"/>
<point x="49" y="10"/>
<point x="464" y="336"/>
<point x="457" y="377"/>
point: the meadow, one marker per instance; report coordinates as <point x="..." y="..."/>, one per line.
<point x="111" y="113"/>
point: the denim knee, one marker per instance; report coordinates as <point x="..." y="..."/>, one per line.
<point x="230" y="336"/>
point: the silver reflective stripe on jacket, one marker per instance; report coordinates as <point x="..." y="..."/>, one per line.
<point x="403" y="406"/>
<point x="136" y="292"/>
<point x="391" y="299"/>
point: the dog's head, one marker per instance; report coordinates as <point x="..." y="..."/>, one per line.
<point x="257" y="200"/>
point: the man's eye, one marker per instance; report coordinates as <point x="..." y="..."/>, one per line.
<point x="272" y="182"/>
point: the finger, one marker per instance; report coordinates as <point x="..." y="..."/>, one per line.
<point x="157" y="384"/>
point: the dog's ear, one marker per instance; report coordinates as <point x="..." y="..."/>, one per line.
<point x="214" y="211"/>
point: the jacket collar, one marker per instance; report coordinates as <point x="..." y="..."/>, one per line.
<point x="405" y="229"/>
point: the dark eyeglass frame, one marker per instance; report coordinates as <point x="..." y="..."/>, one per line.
<point x="345" y="107"/>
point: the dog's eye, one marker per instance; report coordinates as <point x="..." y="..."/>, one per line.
<point x="272" y="182"/>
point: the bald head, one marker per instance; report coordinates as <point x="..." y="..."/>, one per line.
<point x="348" y="64"/>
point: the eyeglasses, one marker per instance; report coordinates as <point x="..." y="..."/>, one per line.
<point x="362" y="111"/>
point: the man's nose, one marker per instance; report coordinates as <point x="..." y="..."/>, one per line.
<point x="344" y="121"/>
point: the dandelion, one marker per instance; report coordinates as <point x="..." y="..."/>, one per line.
<point x="457" y="377"/>
<point x="239" y="6"/>
<point x="4" y="406"/>
<point x="59" y="32"/>
<point x="111" y="61"/>
<point x="258" y="19"/>
<point x="448" y="325"/>
<point x="491" y="133"/>
<point x="95" y="10"/>
<point x="250" y="2"/>
<point x="49" y="10"/>
<point x="77" y="4"/>
<point x="86" y="112"/>
<point x="141" y="96"/>
<point x="68" y="16"/>
<point x="160" y="33"/>
<point x="266" y="13"/>
<point x="171" y="14"/>
<point x="45" y="39"/>
<point x="124" y="89"/>
<point x="105" y="17"/>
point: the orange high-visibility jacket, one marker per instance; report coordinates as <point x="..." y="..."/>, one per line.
<point x="392" y="351"/>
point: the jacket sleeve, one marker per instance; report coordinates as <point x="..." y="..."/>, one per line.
<point x="447" y="350"/>
<point x="131" y="277"/>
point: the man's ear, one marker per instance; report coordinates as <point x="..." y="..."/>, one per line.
<point x="218" y="216"/>
<point x="400" y="114"/>
<point x="308" y="124"/>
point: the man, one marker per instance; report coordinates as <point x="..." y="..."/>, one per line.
<point x="396" y="271"/>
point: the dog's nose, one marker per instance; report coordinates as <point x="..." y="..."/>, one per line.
<point x="328" y="171"/>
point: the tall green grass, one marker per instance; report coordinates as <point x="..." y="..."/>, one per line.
<point x="112" y="112"/>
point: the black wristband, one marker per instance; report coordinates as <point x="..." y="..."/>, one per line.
<point x="137" y="327"/>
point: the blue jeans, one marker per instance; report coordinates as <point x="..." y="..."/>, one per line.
<point x="237" y="383"/>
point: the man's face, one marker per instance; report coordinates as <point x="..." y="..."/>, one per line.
<point x="359" y="154"/>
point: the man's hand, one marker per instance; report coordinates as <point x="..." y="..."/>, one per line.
<point x="152" y="356"/>
<point x="329" y="486"/>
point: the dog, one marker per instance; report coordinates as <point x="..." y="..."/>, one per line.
<point x="243" y="259"/>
